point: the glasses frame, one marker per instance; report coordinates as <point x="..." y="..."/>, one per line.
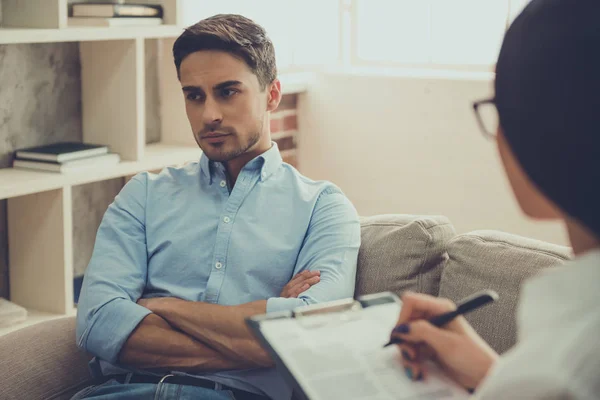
<point x="476" y="106"/>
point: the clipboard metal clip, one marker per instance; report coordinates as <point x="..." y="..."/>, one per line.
<point x="336" y="312"/>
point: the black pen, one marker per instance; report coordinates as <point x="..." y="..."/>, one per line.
<point x="471" y="303"/>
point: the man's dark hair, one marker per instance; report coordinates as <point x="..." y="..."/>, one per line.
<point x="237" y="35"/>
<point x="548" y="98"/>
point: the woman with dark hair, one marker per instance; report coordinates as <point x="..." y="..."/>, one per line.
<point x="548" y="103"/>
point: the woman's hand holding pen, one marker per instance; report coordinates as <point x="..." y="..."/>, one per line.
<point x="455" y="347"/>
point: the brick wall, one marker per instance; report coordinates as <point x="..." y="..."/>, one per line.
<point x="284" y="128"/>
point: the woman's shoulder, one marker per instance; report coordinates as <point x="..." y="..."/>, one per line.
<point x="560" y="361"/>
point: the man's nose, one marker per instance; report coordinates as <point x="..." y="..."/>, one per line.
<point x="212" y="112"/>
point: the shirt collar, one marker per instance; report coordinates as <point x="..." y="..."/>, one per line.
<point x="267" y="163"/>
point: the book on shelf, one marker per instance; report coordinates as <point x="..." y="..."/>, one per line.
<point x="85" y="21"/>
<point x="61" y="152"/>
<point x="69" y="166"/>
<point x="109" y="10"/>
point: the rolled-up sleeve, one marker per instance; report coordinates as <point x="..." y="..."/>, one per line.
<point x="107" y="312"/>
<point x="331" y="246"/>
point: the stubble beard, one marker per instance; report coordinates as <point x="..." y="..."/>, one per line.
<point x="233" y="154"/>
<point x="219" y="155"/>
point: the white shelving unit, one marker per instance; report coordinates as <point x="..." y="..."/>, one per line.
<point x="40" y="226"/>
<point x="24" y="35"/>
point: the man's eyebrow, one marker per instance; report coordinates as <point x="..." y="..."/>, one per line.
<point x="226" y="84"/>
<point x="192" y="89"/>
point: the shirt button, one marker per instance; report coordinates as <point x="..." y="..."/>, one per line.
<point x="218" y="265"/>
<point x="223" y="183"/>
<point x="226" y="220"/>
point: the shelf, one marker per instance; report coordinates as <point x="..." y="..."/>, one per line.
<point x="84" y="34"/>
<point x="18" y="182"/>
<point x="34" y="317"/>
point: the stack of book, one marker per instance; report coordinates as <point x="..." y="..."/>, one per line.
<point x="65" y="157"/>
<point x="114" y="14"/>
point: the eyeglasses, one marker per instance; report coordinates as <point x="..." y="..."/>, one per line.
<point x="487" y="116"/>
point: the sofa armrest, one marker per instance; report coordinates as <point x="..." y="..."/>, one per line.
<point x="43" y="362"/>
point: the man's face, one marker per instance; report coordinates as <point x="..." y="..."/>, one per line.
<point x="224" y="103"/>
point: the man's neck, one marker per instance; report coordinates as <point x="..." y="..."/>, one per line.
<point x="234" y="167"/>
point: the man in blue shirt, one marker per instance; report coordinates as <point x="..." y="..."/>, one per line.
<point x="183" y="257"/>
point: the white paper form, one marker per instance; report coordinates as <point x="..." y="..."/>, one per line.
<point x="341" y="356"/>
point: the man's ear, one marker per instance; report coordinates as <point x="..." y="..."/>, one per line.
<point x="274" y="95"/>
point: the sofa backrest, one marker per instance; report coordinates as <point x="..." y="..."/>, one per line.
<point x="499" y="261"/>
<point x="402" y="252"/>
<point x="423" y="254"/>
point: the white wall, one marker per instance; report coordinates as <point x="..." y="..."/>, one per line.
<point x="402" y="144"/>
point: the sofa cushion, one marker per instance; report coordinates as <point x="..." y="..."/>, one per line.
<point x="499" y="261"/>
<point x="402" y="252"/>
<point x="43" y="362"/>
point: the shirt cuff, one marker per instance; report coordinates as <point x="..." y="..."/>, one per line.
<point x="112" y="326"/>
<point x="275" y="304"/>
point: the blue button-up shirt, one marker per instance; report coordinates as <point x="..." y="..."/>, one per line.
<point x="186" y="233"/>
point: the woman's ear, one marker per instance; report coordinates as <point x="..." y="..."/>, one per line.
<point x="532" y="201"/>
<point x="273" y="95"/>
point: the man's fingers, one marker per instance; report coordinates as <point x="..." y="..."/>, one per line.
<point x="301" y="282"/>
<point x="304" y="285"/>
<point x="302" y="288"/>
<point x="299" y="289"/>
<point x="306" y="274"/>
<point x="310" y="277"/>
<point x="313" y="281"/>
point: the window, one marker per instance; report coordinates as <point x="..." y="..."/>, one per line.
<point x="392" y="31"/>
<point x="458" y="34"/>
<point x="428" y="32"/>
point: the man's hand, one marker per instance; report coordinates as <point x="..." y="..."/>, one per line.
<point x="300" y="283"/>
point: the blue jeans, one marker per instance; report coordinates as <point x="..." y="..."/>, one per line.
<point x="113" y="390"/>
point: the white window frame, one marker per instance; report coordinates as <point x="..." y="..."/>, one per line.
<point x="349" y="45"/>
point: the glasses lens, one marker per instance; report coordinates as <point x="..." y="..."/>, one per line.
<point x="489" y="117"/>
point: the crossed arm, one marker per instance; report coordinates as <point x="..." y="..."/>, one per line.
<point x="195" y="336"/>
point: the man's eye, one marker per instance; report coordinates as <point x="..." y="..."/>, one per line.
<point x="228" y="92"/>
<point x="193" y="96"/>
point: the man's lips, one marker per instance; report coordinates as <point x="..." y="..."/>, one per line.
<point x="215" y="137"/>
<point x="211" y="135"/>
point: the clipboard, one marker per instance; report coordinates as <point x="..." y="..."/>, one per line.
<point x="340" y="310"/>
<point x="278" y="332"/>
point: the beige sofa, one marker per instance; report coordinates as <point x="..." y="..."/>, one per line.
<point x="398" y="253"/>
